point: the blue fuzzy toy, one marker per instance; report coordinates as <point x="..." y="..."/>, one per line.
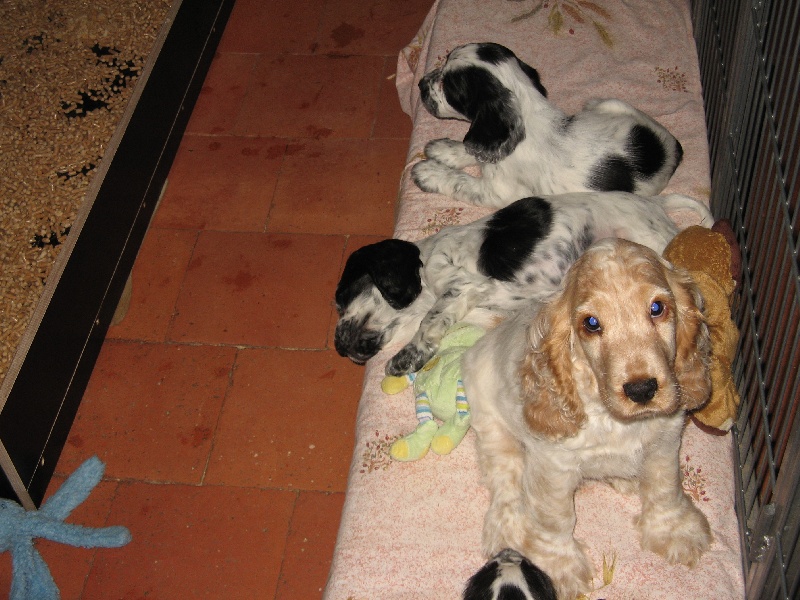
<point x="18" y="528"/>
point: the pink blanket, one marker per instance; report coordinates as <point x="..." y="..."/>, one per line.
<point x="412" y="530"/>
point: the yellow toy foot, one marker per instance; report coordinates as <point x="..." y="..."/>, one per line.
<point x="401" y="451"/>
<point x="395" y="385"/>
<point x="415" y="445"/>
<point x="442" y="445"/>
<point x="450" y="434"/>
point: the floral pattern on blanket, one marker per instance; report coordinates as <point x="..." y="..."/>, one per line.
<point x="444" y="217"/>
<point x="694" y="482"/>
<point x="671" y="79"/>
<point x="570" y="14"/>
<point x="375" y="456"/>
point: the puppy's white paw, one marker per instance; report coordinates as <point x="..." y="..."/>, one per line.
<point x="609" y="105"/>
<point x="449" y="152"/>
<point x="626" y="487"/>
<point x="679" y="536"/>
<point x="430" y="175"/>
<point x="568" y="568"/>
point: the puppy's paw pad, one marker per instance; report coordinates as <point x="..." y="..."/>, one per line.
<point x="570" y="578"/>
<point x="409" y="360"/>
<point x="681" y="540"/>
<point x="445" y="150"/>
<point x="427" y="174"/>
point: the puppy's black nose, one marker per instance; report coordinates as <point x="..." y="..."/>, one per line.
<point x="641" y="391"/>
<point x="424" y="91"/>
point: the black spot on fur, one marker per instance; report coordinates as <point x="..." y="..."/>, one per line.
<point x="586" y="238"/>
<point x="511" y="592"/>
<point x="511" y="235"/>
<point x="479" y="587"/>
<point x="538" y="583"/>
<point x="678" y="154"/>
<point x="494" y="53"/>
<point x="533" y="75"/>
<point x="538" y="580"/>
<point x="645" y="156"/>
<point x="646" y="151"/>
<point x="612" y="173"/>
<point x="393" y="266"/>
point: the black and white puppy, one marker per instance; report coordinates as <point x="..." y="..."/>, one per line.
<point x="396" y="291"/>
<point x="507" y="576"/>
<point x="525" y="145"/>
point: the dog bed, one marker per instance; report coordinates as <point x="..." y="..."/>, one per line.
<point x="412" y="530"/>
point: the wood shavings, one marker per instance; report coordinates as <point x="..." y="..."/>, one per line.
<point x="67" y="70"/>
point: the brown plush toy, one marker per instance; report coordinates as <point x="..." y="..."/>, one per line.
<point x="712" y="258"/>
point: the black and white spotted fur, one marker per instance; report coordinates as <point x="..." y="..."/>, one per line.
<point x="396" y="291"/>
<point x="510" y="576"/>
<point x="525" y="145"/>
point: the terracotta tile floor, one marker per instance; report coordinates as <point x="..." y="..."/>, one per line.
<point x="222" y="412"/>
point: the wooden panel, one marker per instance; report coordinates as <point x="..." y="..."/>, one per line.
<point x="47" y="391"/>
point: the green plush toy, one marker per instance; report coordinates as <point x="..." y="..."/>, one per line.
<point x="439" y="395"/>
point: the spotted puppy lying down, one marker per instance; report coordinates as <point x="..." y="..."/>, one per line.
<point x="527" y="146"/>
<point x="395" y="291"/>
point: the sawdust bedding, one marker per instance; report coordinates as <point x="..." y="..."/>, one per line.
<point x="67" y="71"/>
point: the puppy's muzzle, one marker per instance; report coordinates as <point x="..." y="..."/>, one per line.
<point x="641" y="391"/>
<point x="352" y="340"/>
<point x="425" y="91"/>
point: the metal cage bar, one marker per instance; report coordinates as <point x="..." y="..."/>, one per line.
<point x="749" y="53"/>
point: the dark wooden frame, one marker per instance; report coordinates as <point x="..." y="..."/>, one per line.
<point x="43" y="401"/>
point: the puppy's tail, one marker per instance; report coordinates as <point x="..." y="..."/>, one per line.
<point x="673" y="203"/>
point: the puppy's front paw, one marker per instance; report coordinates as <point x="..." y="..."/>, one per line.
<point x="567" y="566"/>
<point x="428" y="175"/>
<point x="680" y="537"/>
<point x="626" y="487"/>
<point x="409" y="360"/>
<point x="449" y="152"/>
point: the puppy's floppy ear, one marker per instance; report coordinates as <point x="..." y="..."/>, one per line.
<point x="495" y="131"/>
<point x="533" y="75"/>
<point x="393" y="266"/>
<point x="496" y="126"/>
<point x="552" y="406"/>
<point x="692" y="341"/>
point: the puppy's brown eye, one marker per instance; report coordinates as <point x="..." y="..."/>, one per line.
<point x="591" y="324"/>
<point x="657" y="308"/>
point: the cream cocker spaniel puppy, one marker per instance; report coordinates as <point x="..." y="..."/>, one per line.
<point x="593" y="384"/>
